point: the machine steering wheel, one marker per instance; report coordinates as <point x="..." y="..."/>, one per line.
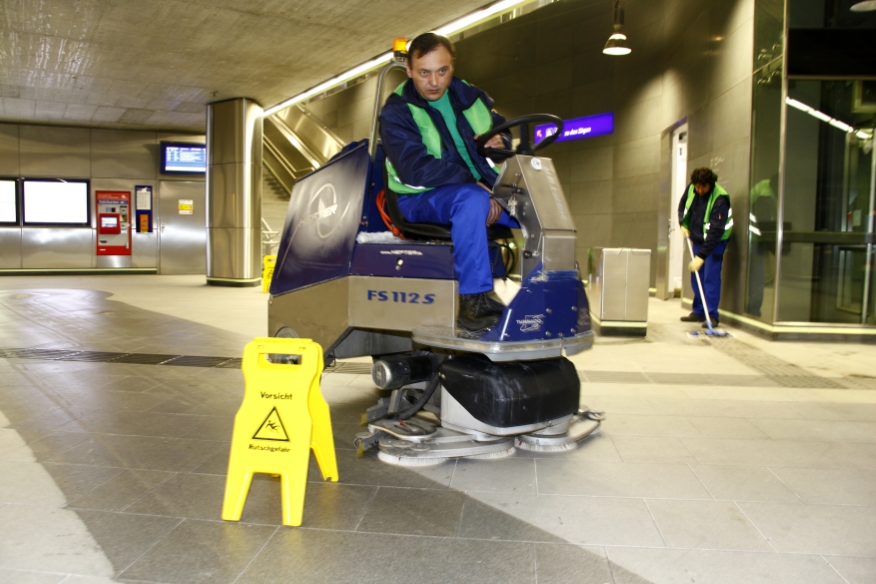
<point x="524" y="147"/>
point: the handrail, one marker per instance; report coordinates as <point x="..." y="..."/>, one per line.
<point x="290" y="135"/>
<point x="372" y="144"/>
<point x="287" y="166"/>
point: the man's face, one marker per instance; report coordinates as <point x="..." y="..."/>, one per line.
<point x="703" y="188"/>
<point x="431" y="73"/>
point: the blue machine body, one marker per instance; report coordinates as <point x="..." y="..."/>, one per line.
<point x="332" y="205"/>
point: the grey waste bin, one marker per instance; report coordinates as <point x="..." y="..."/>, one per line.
<point x="618" y="290"/>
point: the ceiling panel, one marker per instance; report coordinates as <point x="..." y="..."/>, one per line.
<point x="157" y="63"/>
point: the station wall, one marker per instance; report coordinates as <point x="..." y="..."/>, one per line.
<point x="111" y="160"/>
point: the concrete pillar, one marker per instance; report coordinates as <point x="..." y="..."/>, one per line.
<point x="234" y="192"/>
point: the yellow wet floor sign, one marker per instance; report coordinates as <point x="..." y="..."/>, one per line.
<point x="283" y="416"/>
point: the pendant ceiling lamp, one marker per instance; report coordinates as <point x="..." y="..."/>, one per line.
<point x="865" y="6"/>
<point x="617" y="42"/>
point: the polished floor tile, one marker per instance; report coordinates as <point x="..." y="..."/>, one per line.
<point x="125" y="537"/>
<point x="814" y="454"/>
<point x="330" y="556"/>
<point x="669" y="449"/>
<point x="510" y="475"/>
<point x="815" y="529"/>
<point x="216" y="553"/>
<point x="855" y="570"/>
<point x="678" y="566"/>
<point x="49" y="539"/>
<point x="582" y="520"/>
<point x="717" y="427"/>
<point x="829" y="430"/>
<point x="831" y="486"/>
<point x="482" y="521"/>
<point x="744" y="483"/>
<point x="644" y="425"/>
<point x="31" y="577"/>
<point x="139" y="452"/>
<point x="130" y="423"/>
<point x="714" y="525"/>
<point x="120" y="491"/>
<point x="414" y="512"/>
<point x="608" y="479"/>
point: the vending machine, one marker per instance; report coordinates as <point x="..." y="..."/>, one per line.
<point x="113" y="210"/>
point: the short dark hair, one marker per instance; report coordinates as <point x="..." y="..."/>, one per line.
<point x="703" y="176"/>
<point x="428" y="42"/>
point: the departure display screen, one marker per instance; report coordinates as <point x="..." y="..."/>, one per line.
<point x="7" y="202"/>
<point x="577" y="128"/>
<point x="55" y="202"/>
<point x="183" y="158"/>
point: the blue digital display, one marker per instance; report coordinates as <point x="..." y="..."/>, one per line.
<point x="577" y="128"/>
<point x="183" y="158"/>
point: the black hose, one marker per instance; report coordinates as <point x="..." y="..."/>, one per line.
<point x="418" y="405"/>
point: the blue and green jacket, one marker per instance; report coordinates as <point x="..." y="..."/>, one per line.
<point x="411" y="146"/>
<point x="709" y="218"/>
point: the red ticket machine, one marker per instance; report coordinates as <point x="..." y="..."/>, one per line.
<point x="113" y="223"/>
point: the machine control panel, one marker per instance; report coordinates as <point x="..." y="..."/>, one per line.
<point x="113" y="222"/>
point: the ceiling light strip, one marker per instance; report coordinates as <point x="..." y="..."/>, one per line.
<point x="839" y="124"/>
<point x="454" y="27"/>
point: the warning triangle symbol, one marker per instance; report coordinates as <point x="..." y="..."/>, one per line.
<point x="272" y="428"/>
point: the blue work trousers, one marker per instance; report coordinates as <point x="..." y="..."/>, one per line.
<point x="465" y="208"/>
<point x="710" y="274"/>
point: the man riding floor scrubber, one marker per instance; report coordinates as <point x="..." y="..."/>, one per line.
<point x="344" y="281"/>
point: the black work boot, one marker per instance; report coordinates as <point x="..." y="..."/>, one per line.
<point x="693" y="317"/>
<point x="477" y="315"/>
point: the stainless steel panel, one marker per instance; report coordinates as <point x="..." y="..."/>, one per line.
<point x="595" y="279"/>
<point x="144" y="247"/>
<point x="614" y="274"/>
<point x="10" y="248"/>
<point x="234" y="253"/>
<point x="618" y="284"/>
<point x="234" y="132"/>
<point x="530" y="190"/>
<point x="57" y="247"/>
<point x="665" y="216"/>
<point x="317" y="312"/>
<point x="114" y="261"/>
<point x="124" y="154"/>
<point x="638" y="282"/>
<point x="182" y="239"/>
<point x="9" y="150"/>
<point x="227" y="188"/>
<point x="51" y="151"/>
<point x="234" y="187"/>
<point x="410" y="303"/>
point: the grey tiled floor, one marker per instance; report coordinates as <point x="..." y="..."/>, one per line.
<point x="115" y="472"/>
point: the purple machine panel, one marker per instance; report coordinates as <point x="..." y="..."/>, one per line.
<point x="577" y="128"/>
<point x="403" y="260"/>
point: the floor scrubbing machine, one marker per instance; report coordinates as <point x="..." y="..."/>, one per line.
<point x="344" y="281"/>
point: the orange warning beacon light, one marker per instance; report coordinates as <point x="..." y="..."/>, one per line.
<point x="400" y="47"/>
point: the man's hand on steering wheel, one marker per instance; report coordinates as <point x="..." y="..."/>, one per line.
<point x="494" y="142"/>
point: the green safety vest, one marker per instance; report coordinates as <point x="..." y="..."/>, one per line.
<point x="716" y="192"/>
<point x="478" y="116"/>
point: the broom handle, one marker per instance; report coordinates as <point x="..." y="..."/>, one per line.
<point x="699" y="285"/>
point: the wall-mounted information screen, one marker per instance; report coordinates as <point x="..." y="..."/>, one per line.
<point x="183" y="158"/>
<point x="7" y="201"/>
<point x="55" y="202"/>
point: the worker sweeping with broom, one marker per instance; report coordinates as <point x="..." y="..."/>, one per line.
<point x="706" y="221"/>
